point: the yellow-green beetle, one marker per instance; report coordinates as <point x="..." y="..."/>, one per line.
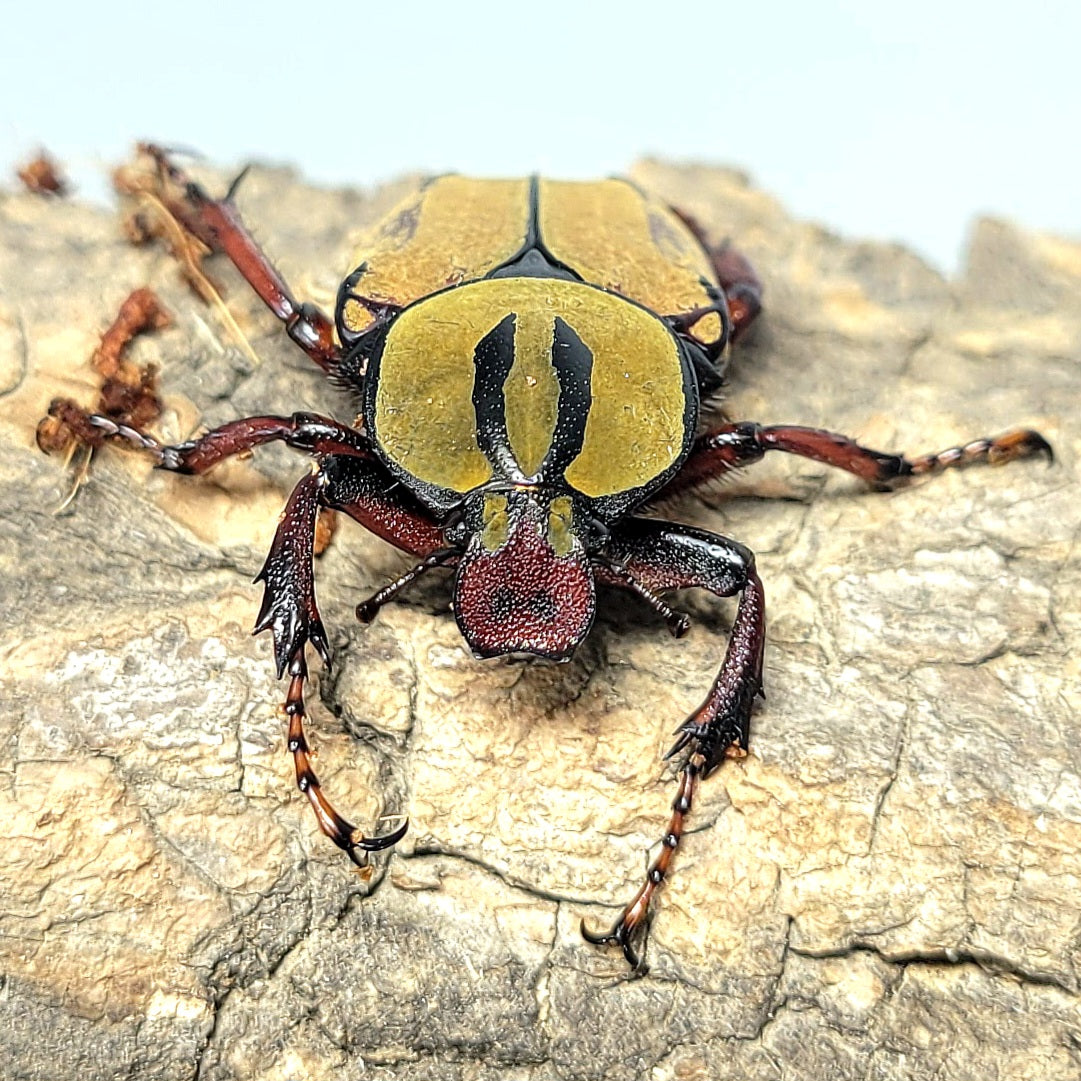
<point x="532" y="356"/>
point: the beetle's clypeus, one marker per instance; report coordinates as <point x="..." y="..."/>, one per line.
<point x="532" y="357"/>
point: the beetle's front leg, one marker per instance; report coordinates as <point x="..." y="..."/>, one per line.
<point x="289" y="611"/>
<point x="660" y="556"/>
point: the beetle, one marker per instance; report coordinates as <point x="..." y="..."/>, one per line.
<point x="532" y="358"/>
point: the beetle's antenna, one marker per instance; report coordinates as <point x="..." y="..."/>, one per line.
<point x="678" y="623"/>
<point x="367" y="610"/>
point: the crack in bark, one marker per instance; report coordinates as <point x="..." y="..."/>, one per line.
<point x="947" y="957"/>
<point x="904" y="733"/>
<point x="24" y="359"/>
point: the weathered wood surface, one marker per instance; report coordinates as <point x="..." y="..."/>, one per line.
<point x="888" y="887"/>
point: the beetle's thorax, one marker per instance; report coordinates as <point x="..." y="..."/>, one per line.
<point x="531" y="381"/>
<point x="524" y="583"/>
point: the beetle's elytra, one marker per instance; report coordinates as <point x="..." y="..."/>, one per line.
<point x="532" y="358"/>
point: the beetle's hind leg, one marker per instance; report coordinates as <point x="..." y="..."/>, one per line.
<point x="659" y="556"/>
<point x="217" y="223"/>
<point x="742" y="287"/>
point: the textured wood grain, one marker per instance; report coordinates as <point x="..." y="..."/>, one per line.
<point x="888" y="887"/>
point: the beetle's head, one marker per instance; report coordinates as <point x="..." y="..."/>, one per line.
<point x="524" y="584"/>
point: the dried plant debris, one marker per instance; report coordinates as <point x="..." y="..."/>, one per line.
<point x="326" y="525"/>
<point x="129" y="393"/>
<point x="42" y="176"/>
<point x="158" y="211"/>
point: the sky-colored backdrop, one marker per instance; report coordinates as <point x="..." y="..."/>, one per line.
<point x="893" y="121"/>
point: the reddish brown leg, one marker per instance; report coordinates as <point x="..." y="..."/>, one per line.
<point x="359" y="487"/>
<point x="372" y="498"/>
<point x="348" y="479"/>
<point x="217" y="224"/>
<point x="289" y="610"/>
<point x="737" y="445"/>
<point x="340" y="830"/>
<point x="634" y="920"/>
<point x="307" y="432"/>
<point x="660" y="556"/>
<point x="741" y="284"/>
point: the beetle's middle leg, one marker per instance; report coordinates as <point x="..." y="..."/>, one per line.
<point x="735" y="446"/>
<point x="289" y="611"/>
<point x="307" y="432"/>
<point x="217" y="224"/>
<point x="660" y="556"/>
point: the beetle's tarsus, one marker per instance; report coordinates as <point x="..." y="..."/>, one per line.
<point x="995" y="450"/>
<point x="620" y="934"/>
<point x="384" y="841"/>
<point x="340" y="830"/>
<point x="634" y="920"/>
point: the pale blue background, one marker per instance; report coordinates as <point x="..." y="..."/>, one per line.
<point x="894" y="121"/>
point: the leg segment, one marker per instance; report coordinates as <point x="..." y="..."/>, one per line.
<point x="737" y="445"/>
<point x="362" y="494"/>
<point x="369" y="609"/>
<point x="742" y="288"/>
<point x="359" y="487"/>
<point x="678" y="623"/>
<point x="289" y="611"/>
<point x="340" y="830"/>
<point x="308" y="432"/>
<point x="362" y="489"/>
<point x="741" y="284"/>
<point x="217" y="224"/>
<point x="661" y="556"/>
